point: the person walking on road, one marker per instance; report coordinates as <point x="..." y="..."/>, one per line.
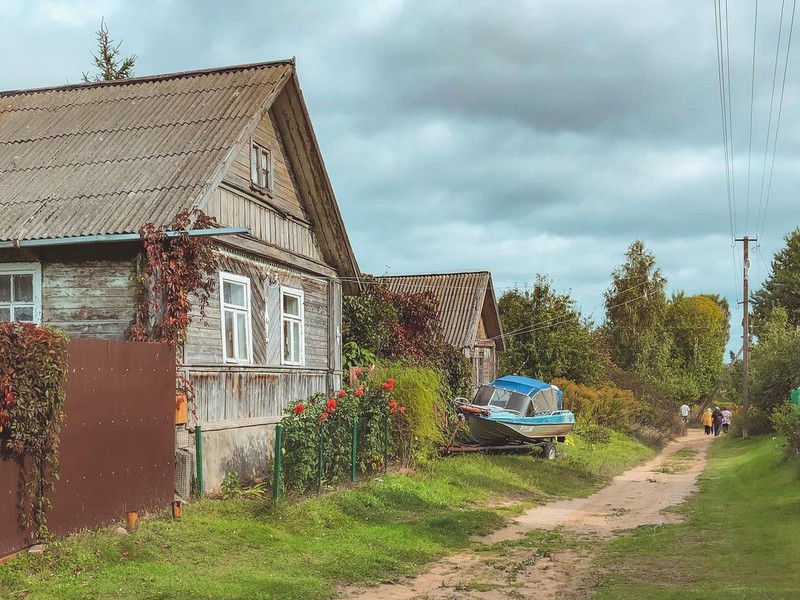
<point x="684" y="412"/>
<point x="708" y="421"/>
<point x="727" y="419"/>
<point x="717" y="420"/>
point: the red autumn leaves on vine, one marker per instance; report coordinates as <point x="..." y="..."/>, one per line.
<point x="174" y="268"/>
<point x="7" y="402"/>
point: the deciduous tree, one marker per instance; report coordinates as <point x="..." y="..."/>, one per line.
<point x="546" y="336"/>
<point x="698" y="330"/>
<point x="775" y="367"/>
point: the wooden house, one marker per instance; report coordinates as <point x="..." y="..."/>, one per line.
<point x="83" y="167"/>
<point x="468" y="314"/>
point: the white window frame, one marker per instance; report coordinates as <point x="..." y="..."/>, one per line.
<point x="223" y="307"/>
<point x="287" y="291"/>
<point x="260" y="179"/>
<point x="32" y="268"/>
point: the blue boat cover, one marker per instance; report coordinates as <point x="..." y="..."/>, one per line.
<point x="521" y="385"/>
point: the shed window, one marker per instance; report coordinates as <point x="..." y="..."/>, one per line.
<point x="237" y="346"/>
<point x="21" y="292"/>
<point x="292" y="332"/>
<point x="261" y="166"/>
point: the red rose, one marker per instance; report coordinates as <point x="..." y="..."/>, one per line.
<point x="357" y="373"/>
<point x="299" y="409"/>
<point x="392" y="404"/>
<point x="402" y="410"/>
<point x="341" y="394"/>
<point x="323" y="416"/>
<point x="331" y="405"/>
<point x="359" y="392"/>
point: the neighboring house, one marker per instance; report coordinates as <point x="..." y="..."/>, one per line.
<point x="468" y="314"/>
<point x="82" y="167"/>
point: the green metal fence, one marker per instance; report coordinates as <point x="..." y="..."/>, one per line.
<point x="362" y="451"/>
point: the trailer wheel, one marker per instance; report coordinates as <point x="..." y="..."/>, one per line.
<point x="549" y="450"/>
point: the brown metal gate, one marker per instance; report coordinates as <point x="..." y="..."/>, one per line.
<point x="117" y="443"/>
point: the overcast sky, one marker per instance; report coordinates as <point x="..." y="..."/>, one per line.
<point x="519" y="137"/>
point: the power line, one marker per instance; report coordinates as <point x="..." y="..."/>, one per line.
<point x="769" y="120"/>
<point x="730" y="113"/>
<point x="752" y="98"/>
<point x="546" y="323"/>
<point x="722" y="103"/>
<point x="778" y="123"/>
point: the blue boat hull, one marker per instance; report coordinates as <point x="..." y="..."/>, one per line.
<point x="498" y="429"/>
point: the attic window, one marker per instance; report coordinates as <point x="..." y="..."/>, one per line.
<point x="261" y="167"/>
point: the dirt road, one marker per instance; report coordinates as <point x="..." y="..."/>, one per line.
<point x="515" y="571"/>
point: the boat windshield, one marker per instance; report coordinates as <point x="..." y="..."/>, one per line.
<point x="545" y="400"/>
<point x="499" y="398"/>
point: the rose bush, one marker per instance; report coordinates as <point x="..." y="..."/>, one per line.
<point x="328" y="421"/>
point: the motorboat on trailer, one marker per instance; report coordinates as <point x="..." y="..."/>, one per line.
<point x="514" y="409"/>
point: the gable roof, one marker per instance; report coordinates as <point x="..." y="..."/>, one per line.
<point x="463" y="298"/>
<point x="107" y="157"/>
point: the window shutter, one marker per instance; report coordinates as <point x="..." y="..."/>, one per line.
<point x="273" y="300"/>
<point x="254" y="164"/>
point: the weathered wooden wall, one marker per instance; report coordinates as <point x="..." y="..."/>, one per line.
<point x="483" y="356"/>
<point x="204" y="340"/>
<point x="290" y="233"/>
<point x="285" y="185"/>
<point x="86" y="290"/>
<point x="282" y="250"/>
<point x="228" y="394"/>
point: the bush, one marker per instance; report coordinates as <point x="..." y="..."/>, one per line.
<point x="592" y="432"/>
<point x="786" y="421"/>
<point x="606" y="405"/>
<point x="420" y="390"/>
<point x="319" y="421"/>
<point x="656" y="409"/>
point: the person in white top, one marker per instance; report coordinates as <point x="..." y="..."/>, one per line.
<point x="684" y="409"/>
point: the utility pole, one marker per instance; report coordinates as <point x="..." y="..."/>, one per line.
<point x="746" y="335"/>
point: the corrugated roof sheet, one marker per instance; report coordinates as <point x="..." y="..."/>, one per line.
<point x="461" y="298"/>
<point x="108" y="157"/>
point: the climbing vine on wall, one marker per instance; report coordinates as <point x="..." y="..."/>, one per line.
<point x="33" y="370"/>
<point x="172" y="269"/>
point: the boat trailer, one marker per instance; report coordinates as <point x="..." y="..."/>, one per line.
<point x="547" y="445"/>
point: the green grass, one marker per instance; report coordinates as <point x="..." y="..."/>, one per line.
<point x="741" y="537"/>
<point x="303" y="548"/>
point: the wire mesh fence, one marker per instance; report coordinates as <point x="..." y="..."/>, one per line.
<point x="311" y="456"/>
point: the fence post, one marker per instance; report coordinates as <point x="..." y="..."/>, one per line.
<point x="386" y="443"/>
<point x="320" y="464"/>
<point x="355" y="448"/>
<point x="198" y="450"/>
<point x="277" y="461"/>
